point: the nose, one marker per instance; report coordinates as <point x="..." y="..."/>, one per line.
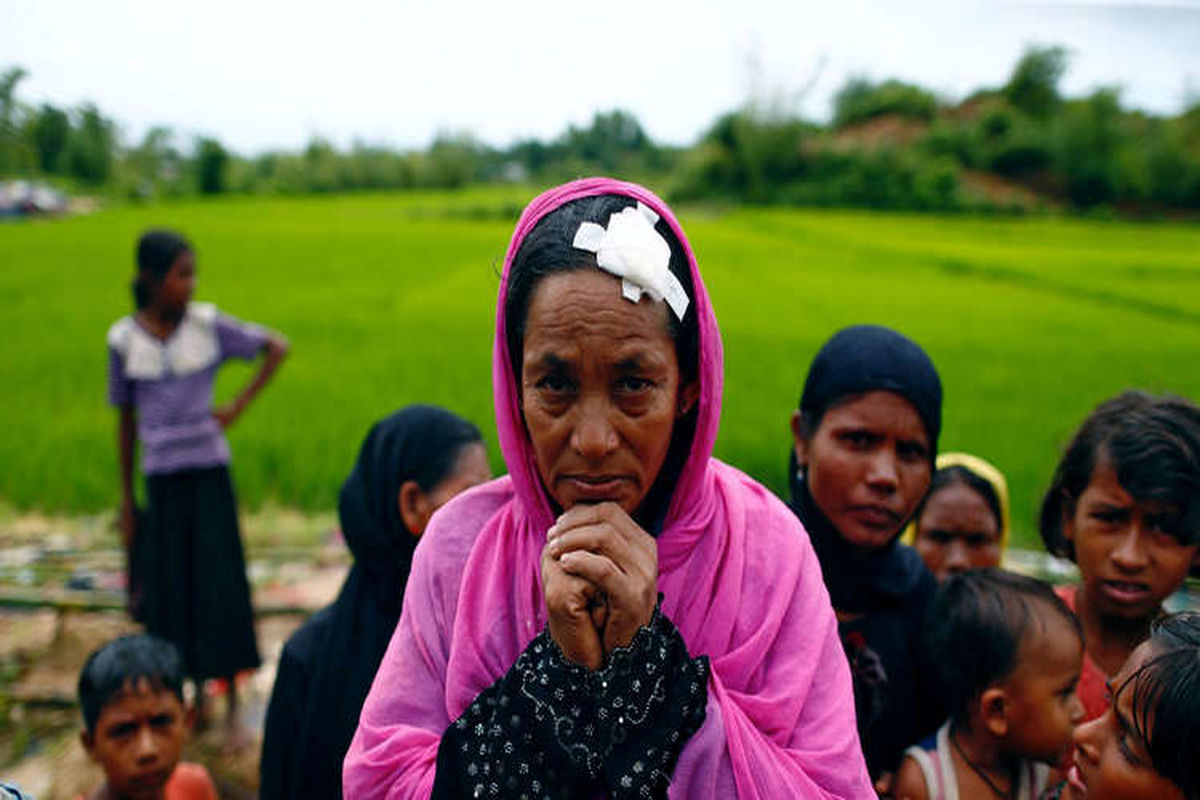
<point x="593" y="435"/>
<point x="1087" y="739"/>
<point x="146" y="747"/>
<point x="957" y="559"/>
<point x="1130" y="552"/>
<point x="882" y="474"/>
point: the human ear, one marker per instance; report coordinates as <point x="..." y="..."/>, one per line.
<point x="799" y="438"/>
<point x="414" y="508"/>
<point x="993" y="709"/>
<point x="689" y="393"/>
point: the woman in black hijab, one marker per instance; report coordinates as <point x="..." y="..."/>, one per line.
<point x="864" y="442"/>
<point x="410" y="464"/>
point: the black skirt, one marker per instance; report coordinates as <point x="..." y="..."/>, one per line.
<point x="189" y="561"/>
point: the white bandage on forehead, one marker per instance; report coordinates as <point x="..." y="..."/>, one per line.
<point x="635" y="252"/>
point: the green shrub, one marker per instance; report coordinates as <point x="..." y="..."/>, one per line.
<point x="860" y="100"/>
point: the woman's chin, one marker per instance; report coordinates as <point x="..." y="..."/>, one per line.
<point x="865" y="538"/>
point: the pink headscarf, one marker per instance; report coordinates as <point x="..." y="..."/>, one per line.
<point x="738" y="576"/>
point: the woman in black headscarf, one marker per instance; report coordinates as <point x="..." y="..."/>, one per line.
<point x="864" y="442"/>
<point x="410" y="464"/>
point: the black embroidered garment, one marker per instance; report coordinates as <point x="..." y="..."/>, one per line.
<point x="550" y="728"/>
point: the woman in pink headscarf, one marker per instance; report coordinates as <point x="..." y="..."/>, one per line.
<point x="623" y="615"/>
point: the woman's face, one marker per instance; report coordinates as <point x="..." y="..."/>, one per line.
<point x="1128" y="563"/>
<point x="600" y="389"/>
<point x="1111" y="760"/>
<point x="470" y="469"/>
<point x="957" y="531"/>
<point x="867" y="466"/>
<point x="416" y="506"/>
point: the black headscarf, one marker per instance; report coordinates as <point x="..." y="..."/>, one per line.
<point x="328" y="665"/>
<point x="864" y="358"/>
<point x="859" y="359"/>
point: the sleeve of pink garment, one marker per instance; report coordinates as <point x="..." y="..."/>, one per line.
<point x="780" y="720"/>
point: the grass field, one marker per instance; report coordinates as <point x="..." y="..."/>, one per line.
<point x="390" y="299"/>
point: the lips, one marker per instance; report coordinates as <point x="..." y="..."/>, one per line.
<point x="874" y="516"/>
<point x="595" y="488"/>
<point x="1125" y="592"/>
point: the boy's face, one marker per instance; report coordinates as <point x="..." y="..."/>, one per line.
<point x="137" y="740"/>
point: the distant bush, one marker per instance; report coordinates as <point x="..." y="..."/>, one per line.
<point x="860" y="100"/>
<point x="211" y="160"/>
<point x="885" y="178"/>
<point x="746" y="157"/>
<point x="1033" y="86"/>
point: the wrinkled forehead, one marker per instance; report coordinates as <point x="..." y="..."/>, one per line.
<point x="580" y="302"/>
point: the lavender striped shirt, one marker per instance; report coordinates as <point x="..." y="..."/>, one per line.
<point x="170" y="383"/>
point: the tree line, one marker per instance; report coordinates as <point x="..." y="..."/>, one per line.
<point x="1021" y="146"/>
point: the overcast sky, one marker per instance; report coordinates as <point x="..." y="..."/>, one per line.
<point x="261" y="75"/>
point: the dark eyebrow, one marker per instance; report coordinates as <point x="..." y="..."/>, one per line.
<point x="553" y="362"/>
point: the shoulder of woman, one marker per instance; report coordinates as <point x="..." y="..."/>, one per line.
<point x="455" y="526"/>
<point x="302" y="644"/>
<point x="119" y="333"/>
<point x="758" y="503"/>
<point x="202" y="312"/>
<point x="775" y="541"/>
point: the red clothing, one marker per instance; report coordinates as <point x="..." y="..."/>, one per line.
<point x="187" y="782"/>
<point x="1092" y="691"/>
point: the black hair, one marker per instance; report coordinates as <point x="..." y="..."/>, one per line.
<point x="974" y="629"/>
<point x="156" y="251"/>
<point x="1153" y="445"/>
<point x="549" y="248"/>
<point x="958" y="475"/>
<point x="123" y="662"/>
<point x="1166" y="700"/>
<point x="456" y="436"/>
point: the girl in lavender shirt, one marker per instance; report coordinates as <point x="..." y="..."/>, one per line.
<point x="187" y="572"/>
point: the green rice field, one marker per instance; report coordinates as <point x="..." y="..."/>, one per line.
<point x="389" y="299"/>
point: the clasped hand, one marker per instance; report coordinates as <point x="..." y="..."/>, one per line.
<point x="600" y="579"/>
